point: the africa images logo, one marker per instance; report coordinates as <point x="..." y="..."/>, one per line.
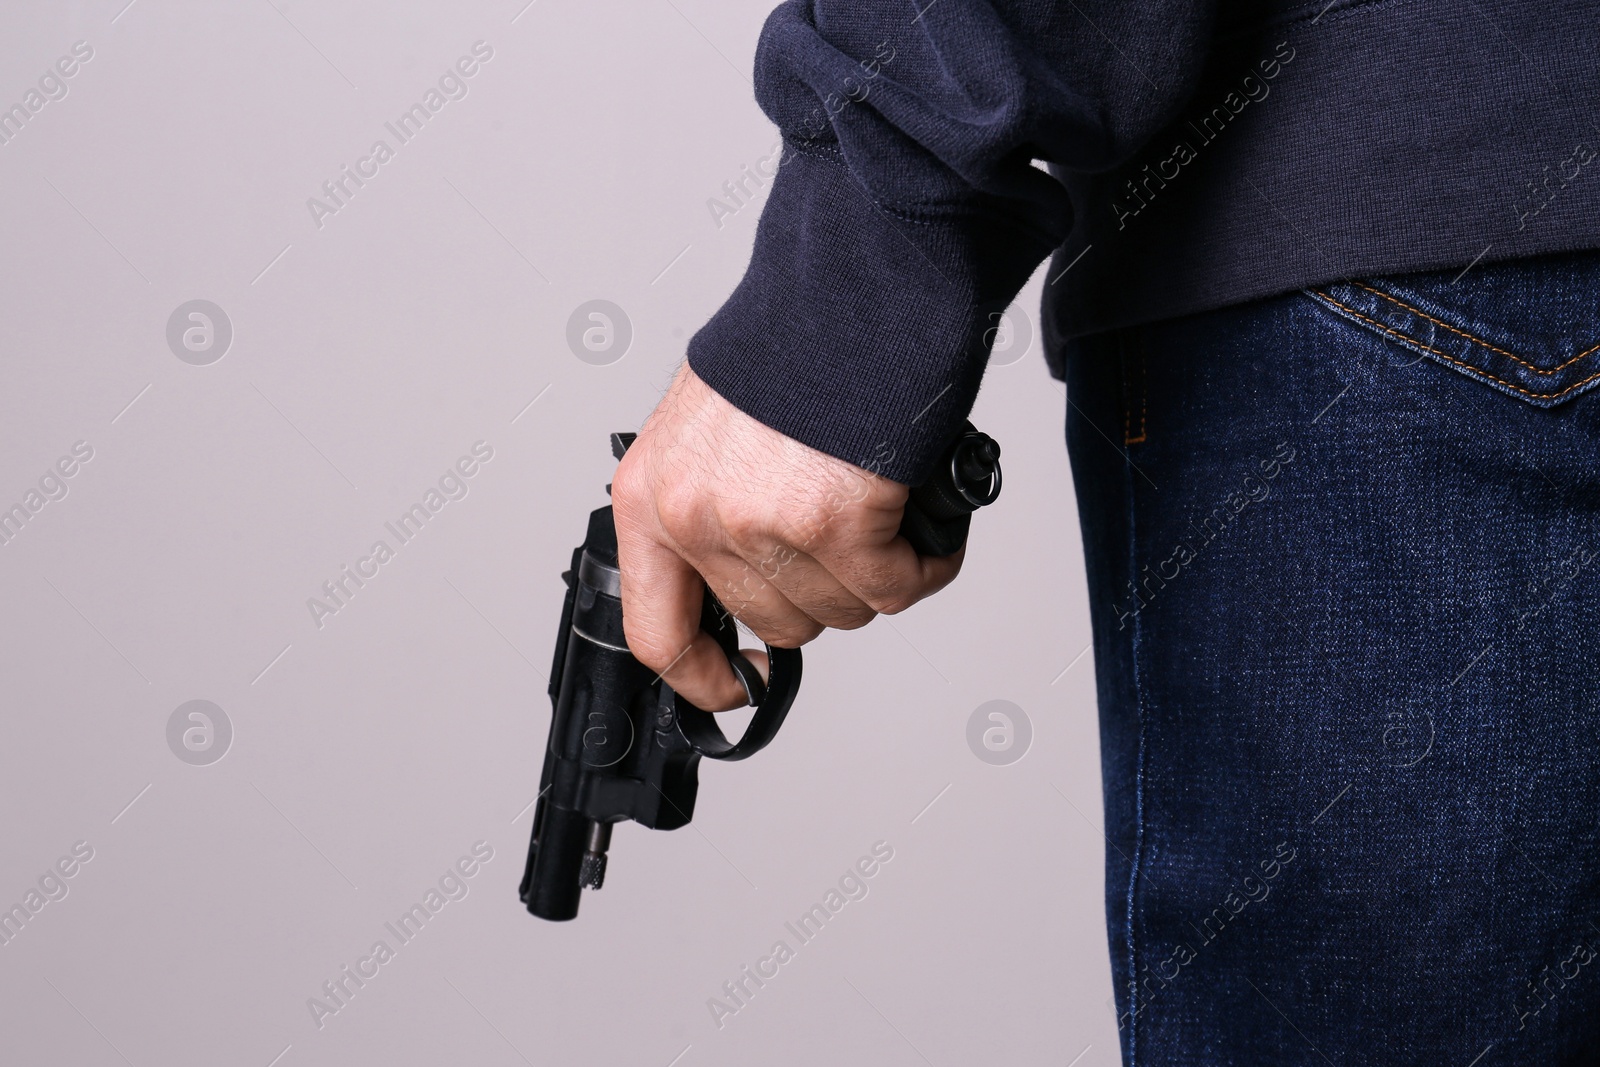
<point x="852" y="885"/>
<point x="453" y="885"/>
<point x="454" y="484"/>
<point x="338" y="191"/>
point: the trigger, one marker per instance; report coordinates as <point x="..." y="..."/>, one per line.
<point x="755" y="690"/>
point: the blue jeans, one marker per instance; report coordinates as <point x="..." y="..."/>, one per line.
<point x="1343" y="551"/>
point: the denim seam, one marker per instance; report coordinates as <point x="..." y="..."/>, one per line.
<point x="1139" y="778"/>
<point x="1478" y="340"/>
<point x="1352" y="312"/>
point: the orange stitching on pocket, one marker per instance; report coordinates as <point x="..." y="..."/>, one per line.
<point x="1452" y="359"/>
<point x="1144" y="391"/>
<point x="1128" y="437"/>
<point x="1479" y="340"/>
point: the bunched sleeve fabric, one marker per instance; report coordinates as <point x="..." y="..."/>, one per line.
<point x="907" y="212"/>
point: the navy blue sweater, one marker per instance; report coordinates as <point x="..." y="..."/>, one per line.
<point x="1199" y="153"/>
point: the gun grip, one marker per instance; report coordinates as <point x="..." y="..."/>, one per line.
<point x="965" y="478"/>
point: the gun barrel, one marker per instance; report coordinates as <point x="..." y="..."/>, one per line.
<point x="554" y="888"/>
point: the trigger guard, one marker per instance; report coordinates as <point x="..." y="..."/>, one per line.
<point x="772" y="701"/>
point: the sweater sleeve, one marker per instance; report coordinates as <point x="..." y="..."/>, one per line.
<point x="907" y="211"/>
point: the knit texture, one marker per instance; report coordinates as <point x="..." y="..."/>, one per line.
<point x="1201" y="153"/>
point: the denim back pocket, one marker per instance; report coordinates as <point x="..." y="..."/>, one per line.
<point x="1528" y="327"/>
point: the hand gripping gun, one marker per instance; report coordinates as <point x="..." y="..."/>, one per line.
<point x="623" y="745"/>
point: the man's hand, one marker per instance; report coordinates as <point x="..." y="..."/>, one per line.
<point x="791" y="540"/>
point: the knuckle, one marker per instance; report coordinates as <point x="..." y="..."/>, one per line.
<point x="679" y="510"/>
<point x="840" y="612"/>
<point x="891" y="600"/>
<point x="626" y="497"/>
<point x="892" y="607"/>
<point x="648" y="646"/>
<point x="853" y="620"/>
<point x="790" y="634"/>
<point x="744" y="526"/>
<point x="818" y="523"/>
<point x="883" y="594"/>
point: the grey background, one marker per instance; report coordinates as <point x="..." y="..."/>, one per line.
<point x="368" y="755"/>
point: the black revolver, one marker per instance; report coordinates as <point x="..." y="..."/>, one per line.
<point x="623" y="745"/>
